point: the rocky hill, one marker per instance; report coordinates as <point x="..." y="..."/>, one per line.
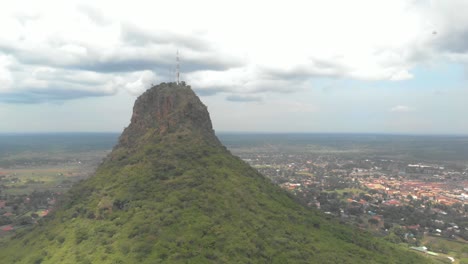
<point x="171" y="193"/>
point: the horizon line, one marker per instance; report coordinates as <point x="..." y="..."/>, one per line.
<point x="249" y="132"/>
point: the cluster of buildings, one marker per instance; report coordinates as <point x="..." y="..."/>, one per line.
<point x="373" y="189"/>
<point x="438" y="186"/>
<point x="396" y="183"/>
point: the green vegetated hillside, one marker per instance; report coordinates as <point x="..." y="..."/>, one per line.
<point x="170" y="192"/>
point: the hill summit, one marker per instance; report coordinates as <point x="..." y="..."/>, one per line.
<point x="164" y="110"/>
<point x="169" y="192"/>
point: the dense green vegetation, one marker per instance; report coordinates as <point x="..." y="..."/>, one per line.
<point x="180" y="197"/>
<point x="191" y="203"/>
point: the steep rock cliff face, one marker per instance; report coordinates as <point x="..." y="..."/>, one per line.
<point x="167" y="109"/>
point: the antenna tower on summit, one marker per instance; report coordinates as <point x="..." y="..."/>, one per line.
<point x="177" y="68"/>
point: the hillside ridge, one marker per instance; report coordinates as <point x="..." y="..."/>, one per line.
<point x="170" y="192"/>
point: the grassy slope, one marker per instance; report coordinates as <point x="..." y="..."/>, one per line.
<point x="190" y="203"/>
<point x="171" y="193"/>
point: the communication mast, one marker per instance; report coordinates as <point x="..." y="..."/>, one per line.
<point x="177" y="68"/>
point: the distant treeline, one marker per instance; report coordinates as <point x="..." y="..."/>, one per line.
<point x="442" y="148"/>
<point x="56" y="142"/>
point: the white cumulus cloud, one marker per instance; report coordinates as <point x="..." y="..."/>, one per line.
<point x="236" y="47"/>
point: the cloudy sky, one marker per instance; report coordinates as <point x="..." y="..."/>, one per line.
<point x="277" y="66"/>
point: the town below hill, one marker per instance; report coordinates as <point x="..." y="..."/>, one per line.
<point x="415" y="199"/>
<point x="411" y="199"/>
<point x="171" y="192"/>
